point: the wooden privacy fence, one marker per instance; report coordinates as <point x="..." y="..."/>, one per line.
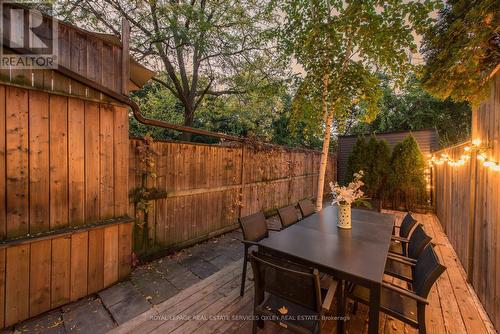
<point x="467" y="203"/>
<point x="63" y="226"/>
<point x="452" y="200"/>
<point x="209" y="186"/>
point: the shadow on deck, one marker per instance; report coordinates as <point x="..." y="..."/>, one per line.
<point x="213" y="305"/>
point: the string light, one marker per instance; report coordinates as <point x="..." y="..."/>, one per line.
<point x="476" y="147"/>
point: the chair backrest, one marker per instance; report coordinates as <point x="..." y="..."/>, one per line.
<point x="288" y="216"/>
<point x="306" y="207"/>
<point x="418" y="241"/>
<point x="426" y="271"/>
<point x="407" y="225"/>
<point x="254" y="227"/>
<point x="293" y="282"/>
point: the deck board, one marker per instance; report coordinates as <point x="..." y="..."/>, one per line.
<point x="216" y="303"/>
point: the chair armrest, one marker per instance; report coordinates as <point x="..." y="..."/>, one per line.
<point x="405" y="292"/>
<point x="251" y="243"/>
<point x="402" y="259"/>
<point x="274" y="229"/>
<point x="400" y="239"/>
<point x="330" y="294"/>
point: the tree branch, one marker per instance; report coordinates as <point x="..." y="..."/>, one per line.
<point x="221" y="92"/>
<point x="170" y="88"/>
<point x="202" y="95"/>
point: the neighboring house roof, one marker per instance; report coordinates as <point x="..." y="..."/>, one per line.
<point x="94" y="56"/>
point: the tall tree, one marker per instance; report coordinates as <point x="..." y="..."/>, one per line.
<point x="462" y="49"/>
<point x="342" y="45"/>
<point x="413" y="108"/>
<point x="201" y="45"/>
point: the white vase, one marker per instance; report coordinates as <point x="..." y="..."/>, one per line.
<point x="344" y="219"/>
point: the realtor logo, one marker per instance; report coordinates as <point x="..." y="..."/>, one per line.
<point x="29" y="40"/>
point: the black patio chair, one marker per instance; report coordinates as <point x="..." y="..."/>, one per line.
<point x="400" y="266"/>
<point x="400" y="240"/>
<point x="306" y="208"/>
<point x="288" y="216"/>
<point x="407" y="305"/>
<point x="289" y="294"/>
<point x="254" y="228"/>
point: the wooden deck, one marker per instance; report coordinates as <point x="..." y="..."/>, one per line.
<point x="214" y="305"/>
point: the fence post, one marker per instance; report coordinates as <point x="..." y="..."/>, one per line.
<point x="242" y="178"/>
<point x="472" y="217"/>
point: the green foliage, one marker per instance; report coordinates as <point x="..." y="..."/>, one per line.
<point x="378" y="166"/>
<point x="357" y="159"/>
<point x="202" y="48"/>
<point x="298" y="134"/>
<point x="156" y="102"/>
<point x="412" y="108"/>
<point x="373" y="157"/>
<point x="462" y="49"/>
<point x="407" y="171"/>
<point x="263" y="112"/>
<point x="342" y="45"/>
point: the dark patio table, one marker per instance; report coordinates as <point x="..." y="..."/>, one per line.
<point x="357" y="255"/>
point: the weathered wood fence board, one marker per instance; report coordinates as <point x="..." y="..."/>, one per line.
<point x="452" y="197"/>
<point x="63" y="166"/>
<point x="209" y="186"/>
<point x="456" y="209"/>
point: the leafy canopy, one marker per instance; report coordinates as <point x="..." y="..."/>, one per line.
<point x="349" y="43"/>
<point x="412" y="108"/>
<point x="462" y="49"/>
<point x="251" y="114"/>
<point x="201" y="47"/>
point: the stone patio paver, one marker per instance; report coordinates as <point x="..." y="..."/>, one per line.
<point x="87" y="316"/>
<point x="124" y="301"/>
<point x="49" y="323"/>
<point x="199" y="266"/>
<point x="221" y="261"/>
<point x="154" y="286"/>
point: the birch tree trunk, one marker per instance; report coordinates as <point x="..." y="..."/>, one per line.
<point x="326" y="143"/>
<point x="324" y="161"/>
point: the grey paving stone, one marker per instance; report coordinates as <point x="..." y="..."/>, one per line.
<point x="87" y="316"/>
<point x="49" y="323"/>
<point x="154" y="286"/>
<point x="116" y="293"/>
<point x="221" y="261"/>
<point x="180" y="276"/>
<point x="167" y="267"/>
<point x="182" y="255"/>
<point x="129" y="307"/>
<point x="236" y="234"/>
<point x="199" y="266"/>
<point x="235" y="251"/>
<point x="210" y="251"/>
<point x="183" y="280"/>
<point x="217" y="250"/>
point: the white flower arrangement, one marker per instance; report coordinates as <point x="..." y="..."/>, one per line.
<point x="351" y="193"/>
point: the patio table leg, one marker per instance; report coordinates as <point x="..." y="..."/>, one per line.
<point x="341" y="300"/>
<point x="374" y="309"/>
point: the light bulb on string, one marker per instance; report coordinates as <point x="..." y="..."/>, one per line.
<point x="488" y="163"/>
